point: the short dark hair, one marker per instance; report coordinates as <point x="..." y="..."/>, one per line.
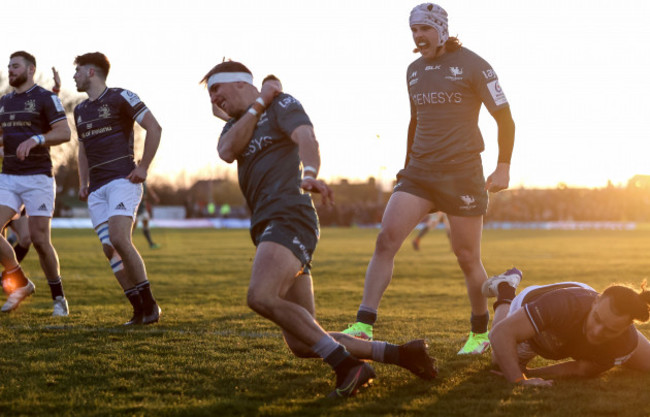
<point x="96" y="59"/>
<point x="26" y="56"/>
<point x="625" y="301"/>
<point x="226" y="66"/>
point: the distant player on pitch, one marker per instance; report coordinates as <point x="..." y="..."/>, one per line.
<point x="109" y="178"/>
<point x="32" y="119"/>
<point x="565" y="320"/>
<point x="447" y="86"/>
<point x="278" y="159"/>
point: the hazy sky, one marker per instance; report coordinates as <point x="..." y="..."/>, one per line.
<point x="575" y="74"/>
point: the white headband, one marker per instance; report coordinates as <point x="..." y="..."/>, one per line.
<point x="229" y="77"/>
<point x="431" y="15"/>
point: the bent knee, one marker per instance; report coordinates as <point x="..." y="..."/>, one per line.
<point x="387" y="243"/>
<point x="259" y="302"/>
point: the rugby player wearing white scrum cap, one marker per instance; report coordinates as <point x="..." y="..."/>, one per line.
<point x="443" y="171"/>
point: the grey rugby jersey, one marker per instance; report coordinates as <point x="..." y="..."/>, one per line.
<point x="446" y="96"/>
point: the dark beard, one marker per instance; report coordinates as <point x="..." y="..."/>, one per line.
<point x="18" y="81"/>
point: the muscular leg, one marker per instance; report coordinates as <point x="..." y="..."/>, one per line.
<point x="273" y="275"/>
<point x="402" y="214"/>
<point x="7" y="254"/>
<point x="466" y="244"/>
<point x="39" y="229"/>
<point x="21" y="227"/>
<point x="301" y="293"/>
<point x="119" y="230"/>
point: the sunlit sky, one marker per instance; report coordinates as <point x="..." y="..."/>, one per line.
<point x="575" y="74"/>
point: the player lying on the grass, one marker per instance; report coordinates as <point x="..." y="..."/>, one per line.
<point x="272" y="139"/>
<point x="565" y="320"/>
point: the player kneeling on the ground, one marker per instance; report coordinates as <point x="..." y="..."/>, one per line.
<point x="272" y="139"/>
<point x="565" y="320"/>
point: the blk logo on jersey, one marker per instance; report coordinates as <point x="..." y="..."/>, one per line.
<point x="43" y="207"/>
<point x="120" y="206"/>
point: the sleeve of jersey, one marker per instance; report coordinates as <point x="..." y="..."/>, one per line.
<point x="486" y="83"/>
<point x="133" y="106"/>
<point x="289" y="114"/>
<point x="54" y="111"/>
<point x="547" y="311"/>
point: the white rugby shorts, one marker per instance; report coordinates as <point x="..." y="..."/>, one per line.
<point x="119" y="197"/>
<point x="35" y="192"/>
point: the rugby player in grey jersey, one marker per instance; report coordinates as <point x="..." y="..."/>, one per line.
<point x="443" y="171"/>
<point x="273" y="141"/>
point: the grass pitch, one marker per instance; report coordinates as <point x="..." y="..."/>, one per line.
<point x="212" y="356"/>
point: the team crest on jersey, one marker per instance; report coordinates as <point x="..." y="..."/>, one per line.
<point x="30" y="106"/>
<point x="89" y="125"/>
<point x="104" y="112"/>
<point x="131" y="97"/>
<point x="12" y="117"/>
<point x="456" y="73"/>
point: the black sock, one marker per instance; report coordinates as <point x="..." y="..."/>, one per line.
<point x="133" y="295"/>
<point x="366" y="317"/>
<point x="56" y="288"/>
<point x="341" y="360"/>
<point x="147" y="235"/>
<point x="505" y="291"/>
<point x="148" y="302"/>
<point x="480" y="323"/>
<point x="391" y="354"/>
<point x="21" y="252"/>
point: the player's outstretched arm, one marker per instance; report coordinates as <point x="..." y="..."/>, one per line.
<point x="151" y="142"/>
<point x="504" y="337"/>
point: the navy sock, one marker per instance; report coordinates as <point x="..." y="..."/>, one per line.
<point x="21" y="252"/>
<point x="133" y="295"/>
<point x="56" y="288"/>
<point x="367" y="315"/>
<point x="148" y="302"/>
<point x="480" y="323"/>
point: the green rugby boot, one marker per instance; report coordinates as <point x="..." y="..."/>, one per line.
<point x="359" y="330"/>
<point x="477" y="343"/>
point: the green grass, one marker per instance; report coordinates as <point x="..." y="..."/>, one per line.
<point x="211" y="356"/>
